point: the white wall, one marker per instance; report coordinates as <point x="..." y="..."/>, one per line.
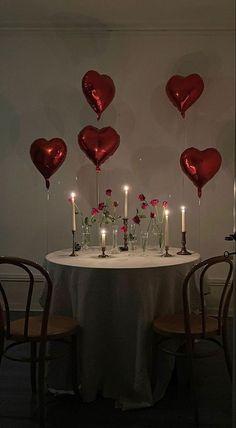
<point x="41" y="96"/>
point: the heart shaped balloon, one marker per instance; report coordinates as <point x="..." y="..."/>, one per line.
<point x="98" y="145"/>
<point x="200" y="165"/>
<point x="48" y="156"/>
<point x="184" y="91"/>
<point x="99" y="90"/>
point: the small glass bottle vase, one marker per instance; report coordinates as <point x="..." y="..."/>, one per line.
<point x="157" y="231"/>
<point x="144" y="242"/>
<point x="86" y="237"/>
<point x="132" y="239"/>
<point x="115" y="248"/>
<point x="160" y="242"/>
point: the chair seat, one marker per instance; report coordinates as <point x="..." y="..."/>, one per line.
<point x="171" y="325"/>
<point x="58" y="326"/>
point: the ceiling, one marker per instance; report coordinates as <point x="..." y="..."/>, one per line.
<point x="108" y="14"/>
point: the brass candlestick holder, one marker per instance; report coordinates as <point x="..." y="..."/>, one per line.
<point x="73" y="254"/>
<point x="166" y="253"/>
<point x="125" y="246"/>
<point x="184" y="251"/>
<point x="103" y="255"/>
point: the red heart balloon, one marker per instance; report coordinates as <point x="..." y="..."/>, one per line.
<point x="98" y="145"/>
<point x="99" y="90"/>
<point x="200" y="165"/>
<point x="48" y="155"/>
<point x="184" y="91"/>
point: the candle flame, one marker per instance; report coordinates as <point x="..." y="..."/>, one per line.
<point x="166" y="213"/>
<point x="103" y="232"/>
<point x="72" y="195"/>
<point x="183" y="208"/>
<point x="126" y="188"/>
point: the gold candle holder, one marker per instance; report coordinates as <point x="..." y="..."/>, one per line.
<point x="103" y="255"/>
<point x="73" y="254"/>
<point x="184" y="251"/>
<point x="166" y="253"/>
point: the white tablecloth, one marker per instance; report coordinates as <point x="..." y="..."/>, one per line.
<point x="115" y="301"/>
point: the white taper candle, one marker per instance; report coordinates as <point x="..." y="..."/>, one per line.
<point x="183" y="219"/>
<point x="73" y="212"/>
<point x="126" y="188"/>
<point x="166" y="228"/>
<point x="103" y="232"/>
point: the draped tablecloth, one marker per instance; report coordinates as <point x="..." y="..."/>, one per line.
<point x="115" y="300"/>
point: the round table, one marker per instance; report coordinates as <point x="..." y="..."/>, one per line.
<point x="115" y="300"/>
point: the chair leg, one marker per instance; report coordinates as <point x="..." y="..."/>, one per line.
<point x="41" y="385"/>
<point x="192" y="388"/>
<point x="226" y="352"/>
<point x="74" y="363"/>
<point x="33" y="366"/>
<point x="1" y="346"/>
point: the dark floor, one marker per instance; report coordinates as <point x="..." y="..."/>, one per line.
<point x="213" y="390"/>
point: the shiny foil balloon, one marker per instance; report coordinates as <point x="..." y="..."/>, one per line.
<point x="184" y="91"/>
<point x="98" y="144"/>
<point x="200" y="165"/>
<point x="99" y="90"/>
<point x="48" y="156"/>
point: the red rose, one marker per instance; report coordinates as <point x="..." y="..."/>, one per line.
<point x="124" y="229"/>
<point x="165" y="204"/>
<point x="94" y="211"/>
<point x="152" y="215"/>
<point x="136" y="219"/>
<point x="115" y="204"/>
<point x="141" y="197"/>
<point x="108" y="192"/>
<point x="101" y="206"/>
<point x="144" y="205"/>
<point x="154" y="202"/>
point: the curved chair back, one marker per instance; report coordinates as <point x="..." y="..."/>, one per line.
<point x="202" y="268"/>
<point x="27" y="266"/>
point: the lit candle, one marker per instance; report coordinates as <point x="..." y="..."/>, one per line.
<point x="73" y="212"/>
<point x="166" y="228"/>
<point x="126" y="188"/>
<point x="183" y="210"/>
<point x="103" y="232"/>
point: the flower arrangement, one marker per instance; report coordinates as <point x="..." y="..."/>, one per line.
<point x="106" y="211"/>
<point x="156" y="215"/>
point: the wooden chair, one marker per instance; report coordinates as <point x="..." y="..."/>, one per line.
<point x="36" y="331"/>
<point x="192" y="328"/>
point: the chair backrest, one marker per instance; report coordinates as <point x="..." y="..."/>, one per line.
<point x="30" y="268"/>
<point x="201" y="269"/>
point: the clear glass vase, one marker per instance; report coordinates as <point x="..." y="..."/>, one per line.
<point x="86" y="237"/>
<point x="115" y="248"/>
<point x="144" y="242"/>
<point x="132" y="239"/>
<point x="159" y="237"/>
<point x="160" y="242"/>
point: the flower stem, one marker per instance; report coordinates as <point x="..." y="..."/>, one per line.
<point x="149" y="224"/>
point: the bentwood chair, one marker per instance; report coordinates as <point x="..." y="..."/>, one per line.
<point x="193" y="328"/>
<point x="36" y="331"/>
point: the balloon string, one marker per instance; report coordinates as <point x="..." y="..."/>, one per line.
<point x="199" y="225"/>
<point x="183" y="176"/>
<point x="47" y="220"/>
<point x="97" y="187"/>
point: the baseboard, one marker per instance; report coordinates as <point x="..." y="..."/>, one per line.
<point x="16" y="287"/>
